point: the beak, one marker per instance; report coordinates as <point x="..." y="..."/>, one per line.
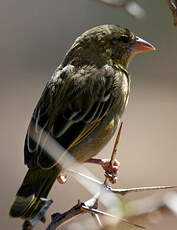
<point x="141" y="45"/>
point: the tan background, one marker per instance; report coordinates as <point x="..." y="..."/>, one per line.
<point x="34" y="36"/>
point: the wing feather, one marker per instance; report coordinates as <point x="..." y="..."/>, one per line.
<point x="69" y="110"/>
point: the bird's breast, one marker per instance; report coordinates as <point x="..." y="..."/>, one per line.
<point x="120" y="92"/>
<point x="94" y="143"/>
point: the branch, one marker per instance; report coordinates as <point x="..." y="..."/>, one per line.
<point x="114" y="149"/>
<point x="138" y="208"/>
<point x="135" y="10"/>
<point x="130" y="6"/>
<point x="173" y="7"/>
<point x="57" y="219"/>
<point x="97" y="220"/>
<point x="124" y="191"/>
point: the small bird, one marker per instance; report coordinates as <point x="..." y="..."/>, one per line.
<point x="80" y="108"/>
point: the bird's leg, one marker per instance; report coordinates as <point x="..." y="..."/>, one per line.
<point x="111" y="170"/>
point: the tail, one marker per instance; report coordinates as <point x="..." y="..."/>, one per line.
<point x="36" y="184"/>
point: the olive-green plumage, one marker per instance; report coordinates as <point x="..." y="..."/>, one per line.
<point x="80" y="108"/>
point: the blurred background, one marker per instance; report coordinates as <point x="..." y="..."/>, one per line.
<point x="35" y="36"/>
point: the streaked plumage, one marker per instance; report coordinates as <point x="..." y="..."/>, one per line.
<point x="80" y="108"/>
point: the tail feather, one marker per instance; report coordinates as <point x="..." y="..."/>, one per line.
<point x="36" y="184"/>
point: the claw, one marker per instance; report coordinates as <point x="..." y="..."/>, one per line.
<point x="111" y="170"/>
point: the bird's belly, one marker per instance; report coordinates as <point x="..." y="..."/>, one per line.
<point x="94" y="143"/>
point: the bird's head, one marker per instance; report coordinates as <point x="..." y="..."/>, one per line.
<point x="109" y="44"/>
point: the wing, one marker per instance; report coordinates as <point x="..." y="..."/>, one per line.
<point x="72" y="105"/>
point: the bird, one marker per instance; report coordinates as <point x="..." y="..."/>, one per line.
<point x="80" y="109"/>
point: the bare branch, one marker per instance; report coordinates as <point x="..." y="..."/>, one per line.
<point x="57" y="219"/>
<point x="141" y="189"/>
<point x="96" y="211"/>
<point x="88" y="207"/>
<point x="173" y="7"/>
<point x="97" y="220"/>
<point x="130" y="6"/>
<point x="116" y="144"/>
<point x="115" y="148"/>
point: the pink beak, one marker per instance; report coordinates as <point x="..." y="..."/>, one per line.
<point x="141" y="45"/>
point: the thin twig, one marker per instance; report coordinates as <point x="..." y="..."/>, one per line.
<point x="114" y="149"/>
<point x="85" y="176"/>
<point x="95" y="215"/>
<point x="124" y="191"/>
<point x="96" y="211"/>
<point x="172" y="5"/>
<point x="130" y="6"/>
<point x="90" y="206"/>
<point x="140" y="189"/>
<point x="57" y="219"/>
<point x="116" y="144"/>
<point x="97" y="220"/>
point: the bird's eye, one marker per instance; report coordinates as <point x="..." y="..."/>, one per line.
<point x="124" y="39"/>
<point x="114" y="41"/>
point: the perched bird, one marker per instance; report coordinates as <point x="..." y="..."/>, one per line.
<point x="80" y="108"/>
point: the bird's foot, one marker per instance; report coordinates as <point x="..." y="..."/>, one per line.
<point x="111" y="169"/>
<point x="62" y="178"/>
